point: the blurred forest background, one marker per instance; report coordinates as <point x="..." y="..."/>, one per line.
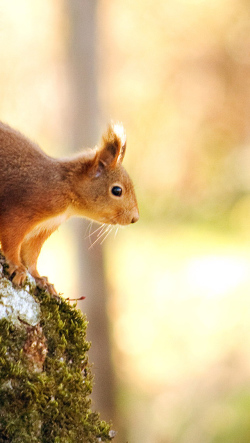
<point x="177" y="297"/>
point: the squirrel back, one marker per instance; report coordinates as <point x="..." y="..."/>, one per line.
<point x="38" y="192"/>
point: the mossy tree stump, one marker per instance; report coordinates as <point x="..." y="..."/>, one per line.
<point x="45" y="378"/>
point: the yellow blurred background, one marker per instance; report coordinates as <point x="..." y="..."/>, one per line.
<point x="177" y="73"/>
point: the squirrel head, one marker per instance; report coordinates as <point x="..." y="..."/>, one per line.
<point x="105" y="191"/>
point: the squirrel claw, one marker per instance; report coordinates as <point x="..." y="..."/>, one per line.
<point x="19" y="278"/>
<point x="43" y="283"/>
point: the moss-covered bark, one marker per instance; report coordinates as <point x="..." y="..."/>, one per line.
<point x="45" y="379"/>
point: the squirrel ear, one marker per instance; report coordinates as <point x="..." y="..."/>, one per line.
<point x="113" y="146"/>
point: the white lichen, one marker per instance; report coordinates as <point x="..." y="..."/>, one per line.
<point x="17" y="305"/>
<point x="30" y="282"/>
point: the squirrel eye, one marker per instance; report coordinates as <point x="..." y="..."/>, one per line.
<point x="116" y="191"/>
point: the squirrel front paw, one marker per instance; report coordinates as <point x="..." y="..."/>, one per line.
<point x="20" y="274"/>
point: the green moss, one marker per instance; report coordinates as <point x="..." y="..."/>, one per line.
<point x="45" y="379"/>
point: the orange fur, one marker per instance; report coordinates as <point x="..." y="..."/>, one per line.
<point x="38" y="192"/>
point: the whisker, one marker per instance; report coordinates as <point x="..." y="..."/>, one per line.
<point x="108" y="229"/>
<point x="107" y="234"/>
<point x="100" y="235"/>
<point x="103" y="230"/>
<point x="88" y="229"/>
<point x="92" y="244"/>
<point x="96" y="230"/>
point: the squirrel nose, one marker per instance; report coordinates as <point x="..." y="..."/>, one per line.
<point x="135" y="218"/>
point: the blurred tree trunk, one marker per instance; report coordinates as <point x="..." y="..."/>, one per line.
<point x="84" y="116"/>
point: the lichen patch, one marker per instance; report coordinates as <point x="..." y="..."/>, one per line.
<point x="17" y="305"/>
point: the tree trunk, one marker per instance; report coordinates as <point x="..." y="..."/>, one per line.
<point x="45" y="379"/>
<point x="84" y="116"/>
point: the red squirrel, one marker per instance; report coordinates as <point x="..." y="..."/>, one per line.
<point x="38" y="192"/>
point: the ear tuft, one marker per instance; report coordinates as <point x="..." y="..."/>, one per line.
<point x="113" y="145"/>
<point x="119" y="131"/>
